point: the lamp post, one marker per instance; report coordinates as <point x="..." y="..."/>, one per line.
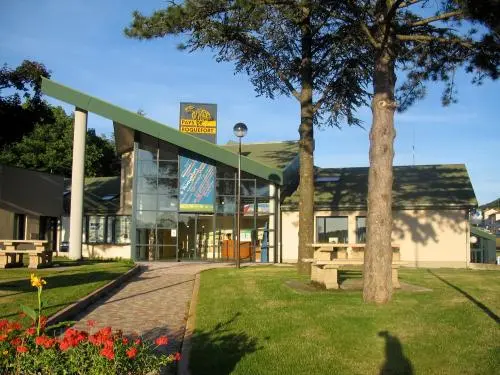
<point x="240" y="130"/>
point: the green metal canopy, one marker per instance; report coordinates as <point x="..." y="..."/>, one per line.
<point x="161" y="131"/>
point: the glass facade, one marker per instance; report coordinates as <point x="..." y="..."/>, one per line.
<point x="165" y="232"/>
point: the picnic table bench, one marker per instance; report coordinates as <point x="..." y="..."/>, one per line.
<point x="329" y="257"/>
<point x="12" y="251"/>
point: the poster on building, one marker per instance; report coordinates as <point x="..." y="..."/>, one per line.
<point x="196" y="184"/>
<point x="200" y="120"/>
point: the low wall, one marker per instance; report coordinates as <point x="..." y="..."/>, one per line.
<point x="484" y="266"/>
<point x="106" y="251"/>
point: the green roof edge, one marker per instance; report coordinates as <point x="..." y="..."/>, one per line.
<point x="482" y="233"/>
<point x="156" y="129"/>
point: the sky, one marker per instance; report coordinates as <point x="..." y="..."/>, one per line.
<point x="83" y="44"/>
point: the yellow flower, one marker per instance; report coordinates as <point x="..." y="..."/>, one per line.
<point x="36" y="281"/>
<point x="5" y="352"/>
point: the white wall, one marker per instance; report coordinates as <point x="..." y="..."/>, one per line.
<point x="106" y="251"/>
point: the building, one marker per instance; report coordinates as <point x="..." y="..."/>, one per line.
<point x="431" y="204"/>
<point x="30" y="204"/>
<point x="175" y="198"/>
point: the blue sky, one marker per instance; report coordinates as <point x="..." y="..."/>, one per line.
<point x="82" y="43"/>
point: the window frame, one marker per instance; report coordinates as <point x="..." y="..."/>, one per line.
<point x="324" y="219"/>
<point x="109" y="228"/>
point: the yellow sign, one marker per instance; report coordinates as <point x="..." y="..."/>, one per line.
<point x="207" y="123"/>
<point x="200" y="120"/>
<point x="198" y="130"/>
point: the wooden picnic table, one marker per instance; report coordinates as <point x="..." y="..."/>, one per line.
<point x="329" y="257"/>
<point x="12" y="251"/>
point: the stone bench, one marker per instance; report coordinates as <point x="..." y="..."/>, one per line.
<point x="325" y="272"/>
<point x="11" y="253"/>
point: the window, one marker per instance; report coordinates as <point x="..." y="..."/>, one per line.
<point x="360" y="229"/>
<point x="96" y="229"/>
<point x="332" y="229"/>
<point x="106" y="229"/>
<point x="327" y="179"/>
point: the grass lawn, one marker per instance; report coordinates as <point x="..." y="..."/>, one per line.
<point x="250" y="322"/>
<point x="65" y="284"/>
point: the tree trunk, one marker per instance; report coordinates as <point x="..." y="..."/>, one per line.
<point x="306" y="153"/>
<point x="377" y="282"/>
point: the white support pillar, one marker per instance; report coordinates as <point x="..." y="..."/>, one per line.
<point x="272" y="220"/>
<point x="77" y="181"/>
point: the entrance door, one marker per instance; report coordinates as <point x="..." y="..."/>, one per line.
<point x="186" y="239"/>
<point x="196" y="237"/>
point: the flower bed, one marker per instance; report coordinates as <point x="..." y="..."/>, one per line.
<point x="26" y="347"/>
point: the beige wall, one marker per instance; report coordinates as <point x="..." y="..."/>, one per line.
<point x="289" y="236"/>
<point x="427" y="238"/>
<point x="106" y="251"/>
<point x="6" y="224"/>
<point x="126" y="183"/>
<point x="430" y="238"/>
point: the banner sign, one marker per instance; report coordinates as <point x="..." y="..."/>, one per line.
<point x="196" y="184"/>
<point x="200" y="120"/>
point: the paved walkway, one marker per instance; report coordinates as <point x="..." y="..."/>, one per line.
<point x="153" y="303"/>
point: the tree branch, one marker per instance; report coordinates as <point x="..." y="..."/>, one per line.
<point x="444" y="16"/>
<point x="369" y="35"/>
<point x="428" y="39"/>
<point x="246" y="42"/>
<point x="393" y="10"/>
<point x="408" y="3"/>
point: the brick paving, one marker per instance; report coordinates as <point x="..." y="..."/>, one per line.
<point x="151" y="304"/>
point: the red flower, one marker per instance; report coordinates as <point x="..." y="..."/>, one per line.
<point x="3" y="324"/>
<point x="108" y="353"/>
<point x="3" y="337"/>
<point x="64" y="345"/>
<point x="132" y="352"/>
<point x="124" y="341"/>
<point x="177" y="356"/>
<point x="46" y="342"/>
<point x="16" y="341"/>
<point x="31" y="331"/>
<point x="14" y="326"/>
<point x="106" y="331"/>
<point x="91" y="323"/>
<point x="109" y="344"/>
<point x="22" y="349"/>
<point x="43" y="321"/>
<point x="162" y="340"/>
<point x="49" y="343"/>
<point x="137" y="341"/>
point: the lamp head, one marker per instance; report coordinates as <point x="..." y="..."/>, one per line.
<point x="240" y="130"/>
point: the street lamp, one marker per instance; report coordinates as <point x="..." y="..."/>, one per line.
<point x="240" y="130"/>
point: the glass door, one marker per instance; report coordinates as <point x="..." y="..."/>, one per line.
<point x="186" y="237"/>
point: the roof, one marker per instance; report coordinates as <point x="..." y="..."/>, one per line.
<point x="482" y="233"/>
<point x="100" y="195"/>
<point x="158" y="130"/>
<point x="423" y="186"/>
<point x="275" y="154"/>
<point x="30" y="192"/>
<point x="493" y="204"/>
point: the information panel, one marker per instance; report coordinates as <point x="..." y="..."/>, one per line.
<point x="197" y="184"/>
